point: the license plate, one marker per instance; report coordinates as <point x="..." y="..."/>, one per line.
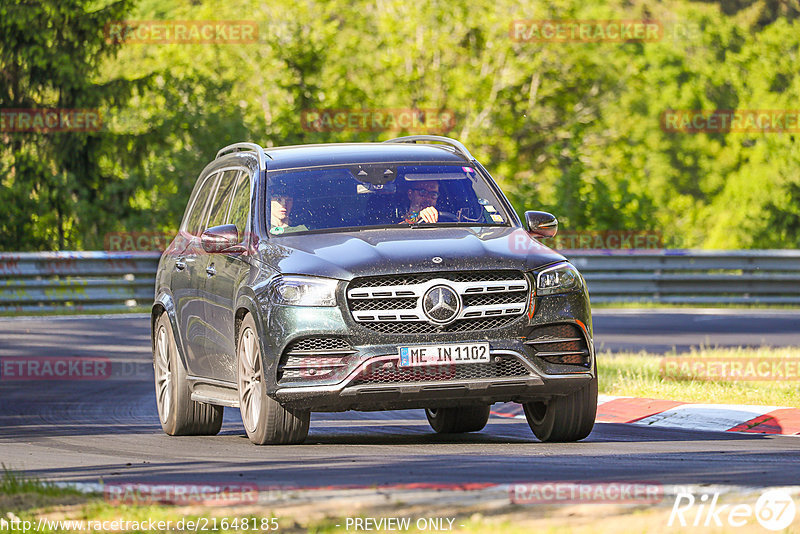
<point x="453" y="353"/>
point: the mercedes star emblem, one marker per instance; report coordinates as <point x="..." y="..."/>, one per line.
<point x="441" y="304"/>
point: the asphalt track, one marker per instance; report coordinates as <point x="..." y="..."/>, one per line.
<point x="92" y="429"/>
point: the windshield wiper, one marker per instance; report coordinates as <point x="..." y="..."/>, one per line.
<point x="449" y="223"/>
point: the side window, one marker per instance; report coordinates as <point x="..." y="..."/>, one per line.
<point x="222" y="199"/>
<point x="240" y="207"/>
<point x="196" y="212"/>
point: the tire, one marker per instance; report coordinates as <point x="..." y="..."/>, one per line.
<point x="567" y="418"/>
<point x="178" y="413"/>
<point x="458" y="420"/>
<point x="266" y="421"/>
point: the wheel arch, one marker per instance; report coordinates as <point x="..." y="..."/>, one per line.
<point x="246" y="303"/>
<point x="164" y="303"/>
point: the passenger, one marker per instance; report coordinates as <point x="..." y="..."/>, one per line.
<point x="422" y="198"/>
<point x="280" y="208"/>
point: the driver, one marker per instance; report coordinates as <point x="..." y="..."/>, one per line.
<point x="422" y="197"/>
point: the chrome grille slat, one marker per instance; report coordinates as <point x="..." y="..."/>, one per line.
<point x="540" y="341"/>
<point x="563" y="353"/>
<point x="389" y="315"/>
<point x="503" y="309"/>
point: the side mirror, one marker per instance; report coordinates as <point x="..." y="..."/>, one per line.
<point x="223" y="238"/>
<point x="541" y="223"/>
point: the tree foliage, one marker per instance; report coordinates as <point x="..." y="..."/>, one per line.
<point x="573" y="128"/>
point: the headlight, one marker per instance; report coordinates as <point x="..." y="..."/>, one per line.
<point x="304" y="291"/>
<point x="562" y="278"/>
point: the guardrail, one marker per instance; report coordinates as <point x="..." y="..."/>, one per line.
<point x="678" y="276"/>
<point x="43" y="281"/>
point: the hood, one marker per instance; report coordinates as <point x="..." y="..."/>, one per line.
<point x="345" y="255"/>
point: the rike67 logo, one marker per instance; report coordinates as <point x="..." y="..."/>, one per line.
<point x="774" y="510"/>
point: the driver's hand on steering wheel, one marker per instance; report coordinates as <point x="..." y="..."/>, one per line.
<point x="428" y="215"/>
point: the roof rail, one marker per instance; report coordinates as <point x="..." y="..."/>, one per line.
<point x="459" y="148"/>
<point x="250" y="147"/>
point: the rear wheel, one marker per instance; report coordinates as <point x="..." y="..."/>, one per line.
<point x="179" y="414"/>
<point x="458" y="420"/>
<point x="266" y="421"/>
<point x="567" y="418"/>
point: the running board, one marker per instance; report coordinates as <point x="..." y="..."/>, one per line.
<point x="211" y="394"/>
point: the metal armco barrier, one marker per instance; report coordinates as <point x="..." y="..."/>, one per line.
<point x="42" y="281"/>
<point x="690" y="276"/>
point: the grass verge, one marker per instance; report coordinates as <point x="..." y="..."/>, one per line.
<point x="421" y="510"/>
<point x="643" y="375"/>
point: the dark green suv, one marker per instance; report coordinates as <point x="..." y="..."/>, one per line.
<point x="366" y="276"/>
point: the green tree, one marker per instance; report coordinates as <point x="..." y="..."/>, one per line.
<point x="56" y="188"/>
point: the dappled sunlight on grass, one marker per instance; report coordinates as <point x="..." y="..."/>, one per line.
<point x="641" y="375"/>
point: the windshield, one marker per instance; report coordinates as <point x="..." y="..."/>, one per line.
<point x="381" y="195"/>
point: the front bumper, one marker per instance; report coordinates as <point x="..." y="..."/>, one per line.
<point x="344" y="389"/>
<point x="430" y="393"/>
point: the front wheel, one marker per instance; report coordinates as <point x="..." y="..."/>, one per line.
<point x="567" y="418"/>
<point x="266" y="421"/>
<point x="458" y="420"/>
<point x="179" y="414"/>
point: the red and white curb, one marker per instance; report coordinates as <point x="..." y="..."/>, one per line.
<point x="674" y="414"/>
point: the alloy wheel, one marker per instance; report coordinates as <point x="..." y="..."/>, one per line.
<point x="250" y="380"/>
<point x="163" y="373"/>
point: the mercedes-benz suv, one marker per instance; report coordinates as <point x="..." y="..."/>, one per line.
<point x="366" y="276"/>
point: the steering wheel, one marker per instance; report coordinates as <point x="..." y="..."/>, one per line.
<point x="446" y="216"/>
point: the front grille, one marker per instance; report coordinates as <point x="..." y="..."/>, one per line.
<point x="313" y="358"/>
<point x="392" y="304"/>
<point x="379" y="373"/>
<point x="560" y="344"/>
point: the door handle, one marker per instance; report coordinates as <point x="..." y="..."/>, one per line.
<point x="180" y="264"/>
<point x="210" y="270"/>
